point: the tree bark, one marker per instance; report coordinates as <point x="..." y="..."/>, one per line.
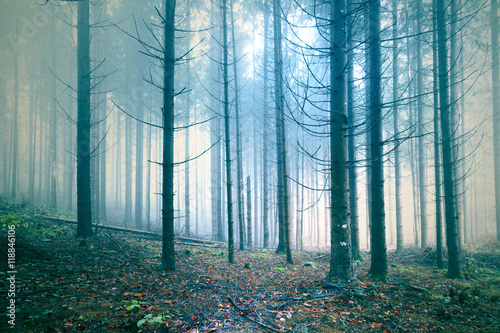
<point x="437" y="151"/>
<point x="139" y="166"/>
<point x="187" y="116"/>
<point x="230" y="222"/>
<point x="420" y="132"/>
<point x="84" y="211"/>
<point x="15" y="126"/>
<point x="378" y="267"/>
<point x="397" y="162"/>
<point x="249" y="213"/>
<point x="265" y="168"/>
<point x="168" y="250"/>
<point x="283" y="199"/>
<point x="495" y="78"/>
<point x="53" y="120"/>
<point x="341" y="257"/>
<point x="449" y="184"/>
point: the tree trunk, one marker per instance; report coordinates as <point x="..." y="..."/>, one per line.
<point x="230" y="223"/>
<point x="128" y="169"/>
<point x="32" y="138"/>
<point x="437" y="151"/>
<point x="53" y="120"/>
<point x="341" y="257"/>
<point x="118" y="173"/>
<point x="449" y="184"/>
<point x="83" y="123"/>
<point x="168" y="250"/>
<point x="495" y="78"/>
<point x="249" y="213"/>
<point x="265" y="168"/>
<point x="283" y="213"/>
<point x="187" y="116"/>
<point x="395" y="98"/>
<point x="102" y="167"/>
<point x="420" y="132"/>
<point x="239" y="148"/>
<point x="378" y="266"/>
<point x="454" y="113"/>
<point x="139" y="165"/>
<point x="15" y="126"/>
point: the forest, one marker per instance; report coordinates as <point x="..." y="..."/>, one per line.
<point x="250" y="165"/>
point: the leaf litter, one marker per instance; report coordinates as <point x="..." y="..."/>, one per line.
<point x="111" y="283"/>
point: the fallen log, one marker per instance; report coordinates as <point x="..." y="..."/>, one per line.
<point x="103" y="226"/>
<point x="189" y="240"/>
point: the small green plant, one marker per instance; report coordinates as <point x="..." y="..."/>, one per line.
<point x="133" y="305"/>
<point x="149" y="319"/>
<point x="12" y="219"/>
<point x="281" y="270"/>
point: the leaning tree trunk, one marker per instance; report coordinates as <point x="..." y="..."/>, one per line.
<point x="378" y="267"/>
<point x="168" y="250"/>
<point x="449" y="184"/>
<point x="84" y="211"/>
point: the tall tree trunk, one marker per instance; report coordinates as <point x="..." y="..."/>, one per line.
<point x="367" y="92"/>
<point x="139" y="165"/>
<point x="249" y="213"/>
<point x="53" y="120"/>
<point x="351" y="141"/>
<point x="395" y="98"/>
<point x="187" y="116"/>
<point x="495" y="78"/>
<point x="83" y="123"/>
<point x="449" y="184"/>
<point x="265" y="168"/>
<point x="3" y="135"/>
<point x="227" y="138"/>
<point x="128" y="170"/>
<point x="15" y="126"/>
<point x="168" y="250"/>
<point x="148" y="169"/>
<point x="341" y="257"/>
<point x="378" y="266"/>
<point x="454" y="113"/>
<point x="420" y="131"/>
<point x="70" y="169"/>
<point x="437" y="151"/>
<point x="118" y="173"/>
<point x="102" y="159"/>
<point x="239" y="148"/>
<point x="283" y="199"/>
<point x="32" y="138"/>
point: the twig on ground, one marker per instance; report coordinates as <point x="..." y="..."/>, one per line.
<point x="244" y="315"/>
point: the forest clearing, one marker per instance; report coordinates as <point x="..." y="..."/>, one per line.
<point x="111" y="283"/>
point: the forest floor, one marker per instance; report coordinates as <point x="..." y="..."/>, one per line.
<point x="111" y="283"/>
